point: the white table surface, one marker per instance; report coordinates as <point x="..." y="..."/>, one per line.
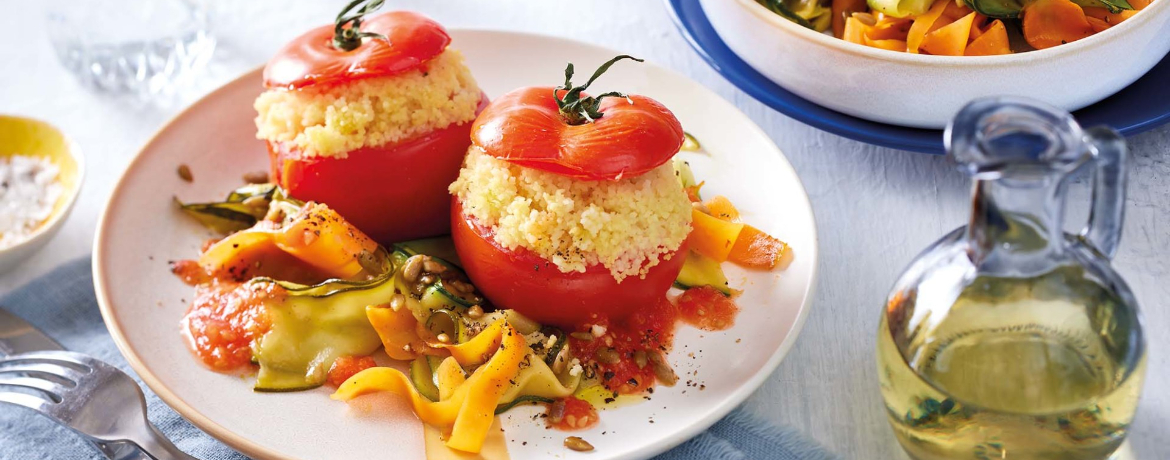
<point x="876" y="207"/>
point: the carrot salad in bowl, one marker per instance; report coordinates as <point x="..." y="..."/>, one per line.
<point x="958" y="27"/>
<point x="578" y="240"/>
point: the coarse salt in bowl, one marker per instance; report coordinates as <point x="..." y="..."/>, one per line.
<point x="40" y="177"/>
<point x="923" y="91"/>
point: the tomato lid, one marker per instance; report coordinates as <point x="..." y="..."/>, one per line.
<point x="565" y="131"/>
<point x="411" y="40"/>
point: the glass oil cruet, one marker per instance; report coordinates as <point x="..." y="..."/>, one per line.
<point x="1008" y="338"/>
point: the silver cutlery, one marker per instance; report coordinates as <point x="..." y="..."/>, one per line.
<point x="89" y="396"/>
<point x="18" y="336"/>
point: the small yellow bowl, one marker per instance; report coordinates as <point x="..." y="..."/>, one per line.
<point x="24" y="136"/>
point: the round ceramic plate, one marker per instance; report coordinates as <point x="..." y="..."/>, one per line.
<point x="142" y="303"/>
<point x="1139" y="107"/>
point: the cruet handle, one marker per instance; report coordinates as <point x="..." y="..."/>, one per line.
<point x="1108" y="207"/>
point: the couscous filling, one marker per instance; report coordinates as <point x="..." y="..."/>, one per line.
<point x="332" y="121"/>
<point x="626" y="225"/>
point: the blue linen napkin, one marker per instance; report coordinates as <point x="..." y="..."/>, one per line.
<point x="62" y="304"/>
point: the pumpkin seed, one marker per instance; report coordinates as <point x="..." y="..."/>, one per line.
<point x="431" y="266"/>
<point x="577" y="444"/>
<point x="865" y="18"/>
<point x="397" y="301"/>
<point x="256" y="177"/>
<point x="556" y="411"/>
<point x="606" y="355"/>
<point x="412" y="268"/>
<point x="185" y="173"/>
<point x="662" y="370"/>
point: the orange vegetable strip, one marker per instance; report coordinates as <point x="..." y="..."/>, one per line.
<point x="396" y="328"/>
<point x="842" y="9"/>
<point x="721" y="208"/>
<point x="1110" y="19"/>
<point x="890" y="29"/>
<point x="993" y="41"/>
<point x="756" y="249"/>
<point x="712" y="237"/>
<point x="322" y="238"/>
<point x="855" y="31"/>
<point x="956" y="10"/>
<point x="888" y="44"/>
<point x="470" y="408"/>
<point x="693" y="192"/>
<point x="922" y="25"/>
<point x="228" y="251"/>
<point x="979" y="26"/>
<point x="1049" y="23"/>
<point x="1098" y="24"/>
<point x="950" y="40"/>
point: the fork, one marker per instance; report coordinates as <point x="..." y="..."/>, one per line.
<point x="90" y="397"/>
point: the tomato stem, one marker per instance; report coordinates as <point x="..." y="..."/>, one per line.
<point x="350" y="38"/>
<point x="577" y="110"/>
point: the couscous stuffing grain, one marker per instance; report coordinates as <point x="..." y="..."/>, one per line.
<point x="333" y="120"/>
<point x="625" y="225"/>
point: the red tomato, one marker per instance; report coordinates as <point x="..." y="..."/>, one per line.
<point x="311" y="59"/>
<point x="393" y="192"/>
<point x="525" y="282"/>
<point x="526" y="127"/>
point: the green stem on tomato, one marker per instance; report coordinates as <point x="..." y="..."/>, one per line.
<point x="350" y="38"/>
<point x="577" y="110"/>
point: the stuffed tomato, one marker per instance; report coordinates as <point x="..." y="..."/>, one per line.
<point x="567" y="209"/>
<point x="372" y="118"/>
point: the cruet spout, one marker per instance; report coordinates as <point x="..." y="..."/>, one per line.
<point x="1019" y="152"/>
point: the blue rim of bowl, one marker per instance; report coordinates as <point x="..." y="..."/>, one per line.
<point x="1149" y="95"/>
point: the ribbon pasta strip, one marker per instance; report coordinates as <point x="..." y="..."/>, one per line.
<point x="467" y="413"/>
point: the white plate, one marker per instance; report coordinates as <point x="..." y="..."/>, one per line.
<point x="142" y="303"/>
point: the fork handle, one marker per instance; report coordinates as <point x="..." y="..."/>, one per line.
<point x="156" y="445"/>
<point x="121" y="450"/>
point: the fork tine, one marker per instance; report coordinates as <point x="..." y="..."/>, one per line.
<point x="73" y="359"/>
<point x="29" y="401"/>
<point x="41" y="369"/>
<point x="52" y="389"/>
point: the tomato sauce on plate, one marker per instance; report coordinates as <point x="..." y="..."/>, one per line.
<point x="622" y="357"/>
<point x="345" y="367"/>
<point x="707" y="309"/>
<point x="571" y="414"/>
<point x="225" y="317"/>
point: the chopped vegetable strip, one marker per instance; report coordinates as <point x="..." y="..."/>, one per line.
<point x="936" y="27"/>
<point x="949" y="40"/>
<point x="922" y="25"/>
<point x="721" y="208"/>
<point x="756" y="249"/>
<point x="713" y="237"/>
<point x="468" y="412"/>
<point x="324" y="239"/>
<point x="396" y="328"/>
<point x="991" y="42"/>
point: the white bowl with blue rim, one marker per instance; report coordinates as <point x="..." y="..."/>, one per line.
<point x="923" y="91"/>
